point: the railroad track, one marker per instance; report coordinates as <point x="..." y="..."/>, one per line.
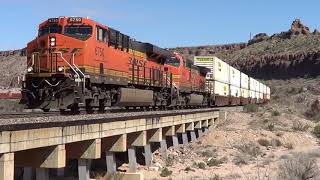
<point x="36" y="114"/>
<point x="12" y="115"/>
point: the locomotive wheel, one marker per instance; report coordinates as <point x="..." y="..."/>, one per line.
<point x="89" y="110"/>
<point x="102" y="106"/>
<point x="74" y="109"/>
<point x="45" y="110"/>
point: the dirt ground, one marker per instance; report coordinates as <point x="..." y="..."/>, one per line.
<point x="246" y="146"/>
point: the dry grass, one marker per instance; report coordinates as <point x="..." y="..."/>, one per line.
<point x="300" y="166"/>
<point x="299" y="126"/>
<point x="249" y="148"/>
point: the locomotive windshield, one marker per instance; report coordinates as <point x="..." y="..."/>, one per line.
<point x="173" y="62"/>
<point x="50" y="29"/>
<point x="81" y="32"/>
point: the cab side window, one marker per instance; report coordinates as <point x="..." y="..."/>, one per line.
<point x="112" y="38"/>
<point x="100" y="34"/>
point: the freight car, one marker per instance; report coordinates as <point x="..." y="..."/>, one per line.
<point x="75" y="62"/>
<point x="229" y="86"/>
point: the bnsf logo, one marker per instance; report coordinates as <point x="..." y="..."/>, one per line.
<point x="137" y="62"/>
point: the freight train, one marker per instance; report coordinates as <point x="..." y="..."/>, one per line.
<point x="75" y="63"/>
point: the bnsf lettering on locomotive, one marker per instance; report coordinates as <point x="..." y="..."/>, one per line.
<point x="99" y="51"/>
<point x="137" y="62"/>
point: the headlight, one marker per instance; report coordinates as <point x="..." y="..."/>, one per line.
<point x="30" y="69"/>
<point x="60" y="69"/>
<point x="52" y="41"/>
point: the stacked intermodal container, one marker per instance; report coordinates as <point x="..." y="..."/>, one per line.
<point x="230" y="86"/>
<point x="252" y="87"/>
<point x="244" y="95"/>
<point x="235" y="82"/>
<point x="217" y="78"/>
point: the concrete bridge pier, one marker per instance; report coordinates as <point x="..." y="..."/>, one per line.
<point x="181" y="133"/>
<point x="42" y="174"/>
<point x="84" y="151"/>
<point x="28" y="173"/>
<point x="112" y="145"/>
<point x="7" y="166"/>
<point x="42" y="159"/>
<point x="190" y="131"/>
<point x="136" y="139"/>
<point x="153" y="136"/>
<point x="198" y="128"/>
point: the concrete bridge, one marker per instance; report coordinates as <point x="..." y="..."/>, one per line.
<point x="31" y="147"/>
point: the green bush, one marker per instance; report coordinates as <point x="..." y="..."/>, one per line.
<point x="275" y="113"/>
<point x="251" y="108"/>
<point x="316" y="130"/>
<point x="165" y="172"/>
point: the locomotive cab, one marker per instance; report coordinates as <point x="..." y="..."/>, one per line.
<point x="52" y="63"/>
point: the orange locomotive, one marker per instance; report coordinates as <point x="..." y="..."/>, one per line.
<point x="76" y="62"/>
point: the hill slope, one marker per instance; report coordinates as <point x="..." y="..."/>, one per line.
<point x="290" y="54"/>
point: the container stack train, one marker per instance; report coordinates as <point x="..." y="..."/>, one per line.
<point x="78" y="63"/>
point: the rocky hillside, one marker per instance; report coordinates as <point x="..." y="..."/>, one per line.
<point x="12" y="68"/>
<point x="289" y="54"/>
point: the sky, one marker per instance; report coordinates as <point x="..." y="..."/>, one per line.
<point x="166" y="23"/>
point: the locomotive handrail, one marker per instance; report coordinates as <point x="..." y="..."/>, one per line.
<point x="84" y="77"/>
<point x="33" y="61"/>
<point x="77" y="66"/>
<point x="68" y="63"/>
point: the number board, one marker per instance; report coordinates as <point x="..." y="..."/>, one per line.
<point x="53" y="20"/>
<point x="75" y="20"/>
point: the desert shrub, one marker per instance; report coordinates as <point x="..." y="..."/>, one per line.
<point x="316" y="130"/>
<point x="275" y="113"/>
<point x="279" y="134"/>
<point x="240" y="159"/>
<point x="249" y="148"/>
<point x="169" y="162"/>
<point x="215" y="177"/>
<point x="275" y="97"/>
<point x="201" y="165"/>
<point x="215" y="162"/>
<point x="288" y="145"/>
<point x="316" y="117"/>
<point x="165" y="172"/>
<point x="263" y="142"/>
<point x="251" y="108"/>
<point x="270" y="127"/>
<point x="293" y="90"/>
<point x="188" y="169"/>
<point x="299" y="126"/>
<point x="208" y="153"/>
<point x="300" y="166"/>
<point x="276" y="143"/>
<point x="314" y="111"/>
